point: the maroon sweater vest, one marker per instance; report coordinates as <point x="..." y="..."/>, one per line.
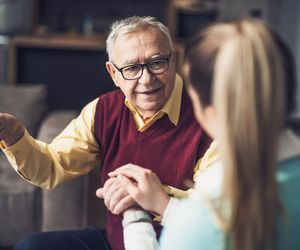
<point x="168" y="150"/>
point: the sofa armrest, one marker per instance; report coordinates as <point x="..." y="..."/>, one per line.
<point x="54" y="123"/>
<point x="73" y="204"/>
<point x="64" y="207"/>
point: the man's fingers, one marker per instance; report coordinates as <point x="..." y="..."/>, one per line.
<point x="124" y="204"/>
<point x="107" y="185"/>
<point x="116" y="197"/>
<point x="99" y="193"/>
<point x="130" y="186"/>
<point x="109" y="193"/>
<point x="102" y="192"/>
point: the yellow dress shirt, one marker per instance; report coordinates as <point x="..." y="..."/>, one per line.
<point x="74" y="152"/>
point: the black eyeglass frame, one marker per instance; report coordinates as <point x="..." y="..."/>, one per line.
<point x="142" y="65"/>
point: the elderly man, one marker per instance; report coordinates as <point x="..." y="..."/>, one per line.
<point x="148" y="122"/>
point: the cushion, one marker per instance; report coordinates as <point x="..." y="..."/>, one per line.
<point x="20" y="213"/>
<point x="17" y="196"/>
<point x="26" y="102"/>
<point x="54" y="123"/>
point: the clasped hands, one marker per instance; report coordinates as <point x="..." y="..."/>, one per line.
<point x="131" y="186"/>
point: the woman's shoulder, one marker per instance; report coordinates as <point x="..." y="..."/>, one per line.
<point x="195" y="226"/>
<point x="209" y="182"/>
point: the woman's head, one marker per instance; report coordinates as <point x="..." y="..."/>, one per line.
<point x="203" y="49"/>
<point x="235" y="69"/>
<point x="199" y="62"/>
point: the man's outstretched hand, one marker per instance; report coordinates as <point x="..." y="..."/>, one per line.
<point x="11" y="129"/>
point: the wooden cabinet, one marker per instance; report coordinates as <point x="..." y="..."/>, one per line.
<point x="73" y="68"/>
<point x="188" y="16"/>
<point x="71" y="64"/>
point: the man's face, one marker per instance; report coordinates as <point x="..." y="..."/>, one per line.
<point x="149" y="92"/>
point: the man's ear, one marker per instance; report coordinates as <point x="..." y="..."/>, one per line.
<point x="174" y="56"/>
<point x="112" y="71"/>
<point x="174" y="61"/>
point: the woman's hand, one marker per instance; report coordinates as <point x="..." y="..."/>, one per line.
<point x="143" y="186"/>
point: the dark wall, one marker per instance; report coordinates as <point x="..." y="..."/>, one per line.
<point x="62" y="15"/>
<point x="73" y="77"/>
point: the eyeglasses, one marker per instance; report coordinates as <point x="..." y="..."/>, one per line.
<point x="155" y="67"/>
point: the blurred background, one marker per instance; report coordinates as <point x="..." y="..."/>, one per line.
<point x="52" y="63"/>
<point x="61" y="42"/>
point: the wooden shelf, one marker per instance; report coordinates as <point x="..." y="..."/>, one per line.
<point x="96" y="42"/>
<point x="64" y="42"/>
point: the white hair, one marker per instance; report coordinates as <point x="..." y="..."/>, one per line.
<point x="133" y="24"/>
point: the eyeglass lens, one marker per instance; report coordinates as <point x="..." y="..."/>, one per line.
<point x="154" y="67"/>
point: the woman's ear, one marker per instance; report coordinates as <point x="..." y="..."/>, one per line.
<point x="112" y="71"/>
<point x="211" y="120"/>
<point x="210" y="112"/>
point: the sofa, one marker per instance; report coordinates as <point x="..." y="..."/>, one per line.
<point x="25" y="208"/>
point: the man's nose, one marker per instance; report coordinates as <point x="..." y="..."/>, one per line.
<point x="146" y="77"/>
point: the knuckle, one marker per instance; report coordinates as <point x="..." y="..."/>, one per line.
<point x="147" y="173"/>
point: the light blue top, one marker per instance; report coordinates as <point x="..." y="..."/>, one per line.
<point x="194" y="225"/>
<point x="288" y="233"/>
<point x="191" y="224"/>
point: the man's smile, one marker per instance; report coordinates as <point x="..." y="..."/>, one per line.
<point x="149" y="91"/>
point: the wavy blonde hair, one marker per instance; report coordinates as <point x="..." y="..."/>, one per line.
<point x="242" y="63"/>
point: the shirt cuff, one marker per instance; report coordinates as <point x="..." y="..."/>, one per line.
<point x="171" y="206"/>
<point x="19" y="150"/>
<point x="2" y="145"/>
<point x="135" y="215"/>
<point x="175" y="192"/>
<point x="138" y="231"/>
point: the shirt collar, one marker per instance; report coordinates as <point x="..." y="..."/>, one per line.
<point x="289" y="145"/>
<point x="171" y="107"/>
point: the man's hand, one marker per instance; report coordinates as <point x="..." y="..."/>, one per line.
<point x="11" y="129"/>
<point x="116" y="197"/>
<point x="143" y="186"/>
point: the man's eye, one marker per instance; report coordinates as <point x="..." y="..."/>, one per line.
<point x="158" y="64"/>
<point x="132" y="69"/>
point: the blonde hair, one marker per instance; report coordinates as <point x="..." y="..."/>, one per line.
<point x="247" y="92"/>
<point x="134" y="24"/>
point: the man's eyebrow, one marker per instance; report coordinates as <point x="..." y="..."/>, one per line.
<point x="133" y="61"/>
<point x="130" y="62"/>
<point x="158" y="55"/>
